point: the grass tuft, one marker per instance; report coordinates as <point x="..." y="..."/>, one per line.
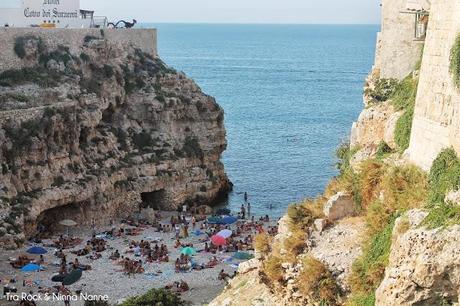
<point x="317" y="282"/>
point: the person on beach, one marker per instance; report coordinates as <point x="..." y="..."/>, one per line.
<point x="249" y="209"/>
<point x="223" y="276"/>
<point x="193" y="221"/>
<point x="243" y="212"/>
<point x="245" y="197"/>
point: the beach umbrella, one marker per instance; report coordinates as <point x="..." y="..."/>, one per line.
<point x="197" y="232"/>
<point x="30" y="268"/>
<point x="58" y="278"/>
<point x="72" y="277"/>
<point x="218" y="240"/>
<point x="188" y="251"/>
<point x="229" y="220"/>
<point x="214" y="220"/>
<point x="226" y="233"/>
<point x="242" y="256"/>
<point x="37" y="250"/>
<point x="67" y="222"/>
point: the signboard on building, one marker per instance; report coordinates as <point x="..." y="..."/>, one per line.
<point x="52" y="13"/>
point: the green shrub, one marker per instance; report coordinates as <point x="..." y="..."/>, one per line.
<point x="155" y="297"/>
<point x="362" y="299"/>
<point x="403" y="129"/>
<point x="109" y="71"/>
<point x="191" y="147"/>
<point x="405" y="93"/>
<point x="455" y="62"/>
<point x="344" y="153"/>
<point x="15" y="97"/>
<point x="441" y="215"/>
<point x="19" y="45"/>
<point x="143" y="140"/>
<point x="383" y="149"/>
<point x="300" y="216"/>
<point x="403" y="99"/>
<point x="84" y="57"/>
<point x="444" y="175"/>
<point x="383" y="89"/>
<point x="37" y="75"/>
<point x="368" y="270"/>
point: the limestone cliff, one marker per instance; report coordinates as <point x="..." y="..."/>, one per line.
<point x="97" y="131"/>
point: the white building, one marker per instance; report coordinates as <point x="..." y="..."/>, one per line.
<point x="48" y="14"/>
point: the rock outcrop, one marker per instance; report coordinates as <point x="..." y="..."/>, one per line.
<point x="424" y="265"/>
<point x="99" y="134"/>
<point x="339" y="206"/>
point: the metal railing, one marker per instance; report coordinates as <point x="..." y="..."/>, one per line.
<point x="99" y="22"/>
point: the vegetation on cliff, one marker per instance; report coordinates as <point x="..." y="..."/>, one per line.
<point x="403" y="187"/>
<point x="403" y="99"/>
<point x="444" y="177"/>
<point x="455" y="62"/>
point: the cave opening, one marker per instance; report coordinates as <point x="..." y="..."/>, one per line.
<point x="156" y="199"/>
<point x="50" y="218"/>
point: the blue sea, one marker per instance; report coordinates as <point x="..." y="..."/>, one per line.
<point x="290" y="94"/>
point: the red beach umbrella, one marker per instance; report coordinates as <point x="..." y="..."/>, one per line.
<point x="218" y="240"/>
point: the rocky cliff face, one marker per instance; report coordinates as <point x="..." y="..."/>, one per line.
<point x="423" y="266"/>
<point x="97" y="134"/>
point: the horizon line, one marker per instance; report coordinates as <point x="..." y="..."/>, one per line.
<point x="254" y="23"/>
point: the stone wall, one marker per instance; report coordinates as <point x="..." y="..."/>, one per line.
<point x="436" y="122"/>
<point x="145" y="39"/>
<point x="397" y="52"/>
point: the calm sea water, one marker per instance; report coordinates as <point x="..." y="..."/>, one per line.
<point x="290" y="94"/>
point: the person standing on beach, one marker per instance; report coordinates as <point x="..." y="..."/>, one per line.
<point x="243" y="212"/>
<point x="249" y="209"/>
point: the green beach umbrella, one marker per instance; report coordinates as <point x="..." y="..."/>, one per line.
<point x="188" y="251"/>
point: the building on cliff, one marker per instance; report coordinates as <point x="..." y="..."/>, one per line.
<point x="48" y="14"/>
<point x="401" y="45"/>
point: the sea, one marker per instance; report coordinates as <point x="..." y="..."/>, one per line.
<point x="290" y="94"/>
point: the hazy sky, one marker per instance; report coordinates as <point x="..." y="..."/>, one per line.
<point x="239" y="11"/>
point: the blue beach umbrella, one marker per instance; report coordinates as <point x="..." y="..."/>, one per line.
<point x="214" y="220"/>
<point x="229" y="220"/>
<point x="37" y="250"/>
<point x="30" y="268"/>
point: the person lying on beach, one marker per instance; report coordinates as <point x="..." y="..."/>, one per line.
<point x="85" y="251"/>
<point x="178" y="287"/>
<point x="212" y="262"/>
<point x="77" y="265"/>
<point x="21" y="261"/>
<point x="115" y="255"/>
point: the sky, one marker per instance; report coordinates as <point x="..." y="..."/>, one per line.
<point x="239" y="11"/>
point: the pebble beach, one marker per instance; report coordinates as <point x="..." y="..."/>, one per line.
<point x="107" y="278"/>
